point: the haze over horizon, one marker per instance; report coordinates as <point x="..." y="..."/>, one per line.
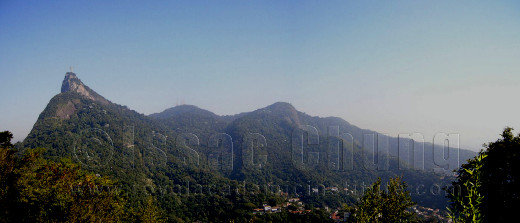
<point x="391" y="67"/>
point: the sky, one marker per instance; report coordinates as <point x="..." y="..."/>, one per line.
<point x="391" y="66"/>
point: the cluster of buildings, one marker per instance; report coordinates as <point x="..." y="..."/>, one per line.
<point x="299" y="209"/>
<point x="429" y="213"/>
<point x="336" y="216"/>
<point x="295" y="206"/>
<point x="267" y="209"/>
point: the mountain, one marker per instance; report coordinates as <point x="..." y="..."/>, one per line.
<point x="72" y="83"/>
<point x="181" y="110"/>
<point x="270" y="150"/>
<point x="112" y="140"/>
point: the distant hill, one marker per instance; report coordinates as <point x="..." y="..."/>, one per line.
<point x="182" y="109"/>
<point x="273" y="146"/>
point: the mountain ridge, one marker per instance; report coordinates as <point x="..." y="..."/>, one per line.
<point x="181" y="109"/>
<point x="187" y="139"/>
<point x="190" y="115"/>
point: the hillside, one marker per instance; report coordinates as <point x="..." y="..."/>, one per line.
<point x="271" y="152"/>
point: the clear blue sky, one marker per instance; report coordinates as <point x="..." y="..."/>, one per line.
<point x="389" y="66"/>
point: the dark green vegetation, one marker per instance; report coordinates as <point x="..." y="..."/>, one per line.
<point x="200" y="166"/>
<point x="33" y="189"/>
<point x="487" y="188"/>
<point x="378" y="205"/>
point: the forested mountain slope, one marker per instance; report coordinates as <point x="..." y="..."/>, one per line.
<point x="268" y="153"/>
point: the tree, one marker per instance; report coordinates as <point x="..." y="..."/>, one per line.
<point x="378" y="205"/>
<point x="7" y="163"/>
<point x="7" y="175"/>
<point x="47" y="191"/>
<point x="33" y="189"/>
<point x="466" y="206"/>
<point x="150" y="212"/>
<point x="5" y="140"/>
<point x="487" y="186"/>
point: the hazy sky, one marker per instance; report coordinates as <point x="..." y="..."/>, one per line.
<point x="389" y="66"/>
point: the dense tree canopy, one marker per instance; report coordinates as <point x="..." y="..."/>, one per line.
<point x="33" y="189"/>
<point x="487" y="187"/>
<point x="378" y="205"/>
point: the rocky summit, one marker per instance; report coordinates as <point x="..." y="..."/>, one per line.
<point x="72" y="83"/>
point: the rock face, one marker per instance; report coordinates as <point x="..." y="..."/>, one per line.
<point x="66" y="110"/>
<point x="72" y="83"/>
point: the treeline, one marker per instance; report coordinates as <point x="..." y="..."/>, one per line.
<point x="34" y="189"/>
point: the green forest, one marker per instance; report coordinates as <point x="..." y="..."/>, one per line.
<point x="35" y="189"/>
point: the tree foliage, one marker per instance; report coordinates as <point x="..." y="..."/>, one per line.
<point x="487" y="186"/>
<point x="388" y="205"/>
<point x="34" y="189"/>
<point x="466" y="207"/>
